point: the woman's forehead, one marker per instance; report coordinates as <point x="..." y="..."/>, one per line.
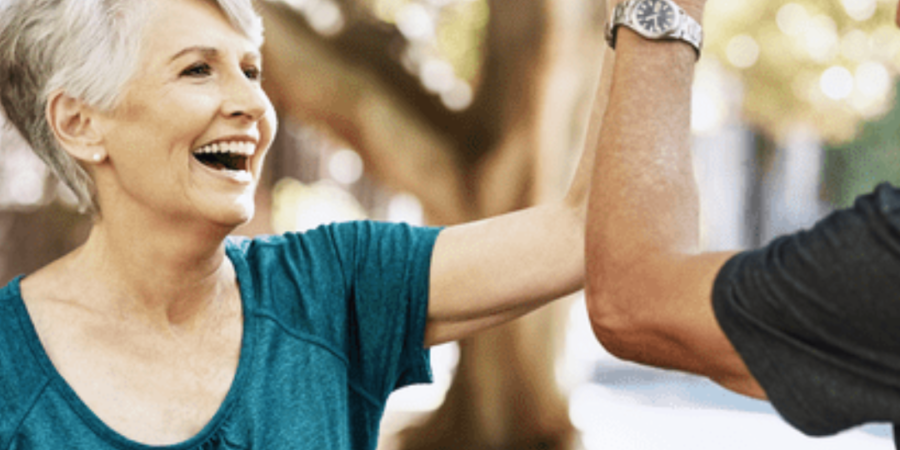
<point x="177" y="26"/>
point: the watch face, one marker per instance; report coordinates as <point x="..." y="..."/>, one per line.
<point x="656" y="17"/>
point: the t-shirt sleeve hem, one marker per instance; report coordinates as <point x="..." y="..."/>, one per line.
<point x="418" y="369"/>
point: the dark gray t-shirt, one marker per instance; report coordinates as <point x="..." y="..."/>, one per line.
<point x="816" y="317"/>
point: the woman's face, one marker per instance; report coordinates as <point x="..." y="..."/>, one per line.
<point x="193" y="126"/>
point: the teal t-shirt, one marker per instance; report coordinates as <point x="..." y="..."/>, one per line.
<point x="334" y="321"/>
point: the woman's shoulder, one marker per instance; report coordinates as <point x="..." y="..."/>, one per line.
<point x="341" y="242"/>
<point x="48" y="282"/>
<point x="323" y="242"/>
<point x="9" y="296"/>
<point x="9" y="291"/>
<point x="340" y="234"/>
<point x="21" y="377"/>
<point x="288" y="254"/>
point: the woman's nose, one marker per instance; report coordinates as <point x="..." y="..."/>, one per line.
<point x="245" y="98"/>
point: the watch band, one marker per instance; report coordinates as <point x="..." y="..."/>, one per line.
<point x="683" y="28"/>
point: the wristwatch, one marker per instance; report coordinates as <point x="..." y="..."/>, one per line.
<point x="656" y="20"/>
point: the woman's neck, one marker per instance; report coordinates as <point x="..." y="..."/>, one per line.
<point x="163" y="272"/>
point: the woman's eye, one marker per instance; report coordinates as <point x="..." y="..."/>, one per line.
<point x="197" y="70"/>
<point x="252" y="73"/>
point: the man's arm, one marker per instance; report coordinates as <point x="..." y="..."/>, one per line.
<point x="491" y="271"/>
<point x="648" y="286"/>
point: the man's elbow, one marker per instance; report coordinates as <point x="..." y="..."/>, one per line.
<point x="623" y="302"/>
<point x="615" y="324"/>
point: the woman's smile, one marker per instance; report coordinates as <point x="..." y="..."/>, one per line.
<point x="229" y="158"/>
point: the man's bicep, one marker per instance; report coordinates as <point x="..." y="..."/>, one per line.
<point x="689" y="322"/>
<point x="657" y="310"/>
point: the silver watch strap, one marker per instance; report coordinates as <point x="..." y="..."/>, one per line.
<point x="619" y="16"/>
<point x="689" y="30"/>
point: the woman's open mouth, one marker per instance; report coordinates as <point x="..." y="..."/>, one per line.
<point x="230" y="156"/>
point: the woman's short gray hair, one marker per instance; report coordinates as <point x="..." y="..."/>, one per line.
<point x="86" y="48"/>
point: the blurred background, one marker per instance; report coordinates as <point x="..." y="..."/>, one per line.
<point x="445" y="111"/>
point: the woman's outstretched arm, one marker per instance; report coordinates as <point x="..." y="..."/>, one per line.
<point x="487" y="272"/>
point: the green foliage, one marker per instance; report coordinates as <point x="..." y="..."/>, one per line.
<point x="783" y="84"/>
<point x="856" y="167"/>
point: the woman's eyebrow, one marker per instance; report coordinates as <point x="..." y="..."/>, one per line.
<point x="213" y="53"/>
<point x="207" y="52"/>
<point x="254" y="55"/>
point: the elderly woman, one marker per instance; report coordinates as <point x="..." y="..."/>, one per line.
<point x="162" y="331"/>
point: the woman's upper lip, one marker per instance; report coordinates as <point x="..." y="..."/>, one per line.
<point x="234" y="138"/>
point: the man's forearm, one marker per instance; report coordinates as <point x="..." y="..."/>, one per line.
<point x="644" y="199"/>
<point x="649" y="287"/>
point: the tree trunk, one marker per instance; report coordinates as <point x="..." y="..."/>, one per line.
<point x="505" y="394"/>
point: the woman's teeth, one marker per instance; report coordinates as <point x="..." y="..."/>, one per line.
<point x="232" y="156"/>
<point x="241" y="148"/>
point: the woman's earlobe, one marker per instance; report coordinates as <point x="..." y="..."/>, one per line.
<point x="73" y="124"/>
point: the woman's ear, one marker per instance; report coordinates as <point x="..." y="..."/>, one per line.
<point x="73" y="122"/>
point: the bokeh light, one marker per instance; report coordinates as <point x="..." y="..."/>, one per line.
<point x="422" y="398"/>
<point x="742" y="51"/>
<point x="792" y="19"/>
<point x="458" y="97"/>
<point x="443" y="45"/>
<point x="836" y="83"/>
<point x="873" y="79"/>
<point x="300" y="207"/>
<point x="345" y="166"/>
<point x="437" y="75"/>
<point x="826" y="65"/>
<point x="820" y="38"/>
<point x="23" y="176"/>
<point x="406" y="208"/>
<point x="324" y="16"/>
<point x="415" y="22"/>
<point x="860" y="10"/>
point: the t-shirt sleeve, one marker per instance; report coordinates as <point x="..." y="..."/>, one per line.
<point x="816" y="317"/>
<point x="388" y="271"/>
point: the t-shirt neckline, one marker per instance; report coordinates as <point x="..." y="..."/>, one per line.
<point x="97" y="425"/>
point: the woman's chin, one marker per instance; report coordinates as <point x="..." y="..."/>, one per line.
<point x="238" y="215"/>
<point x="229" y="213"/>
